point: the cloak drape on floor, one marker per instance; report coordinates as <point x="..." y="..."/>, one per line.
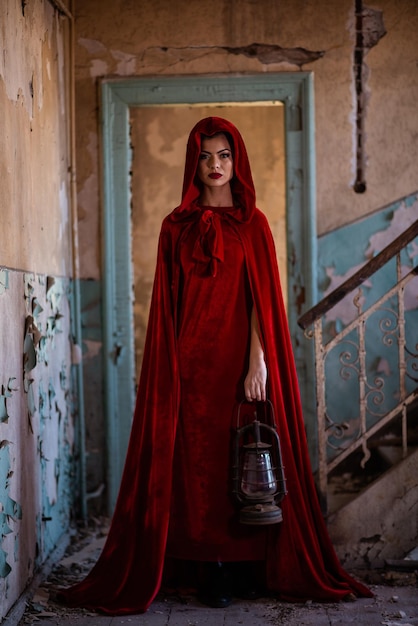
<point x="300" y="561"/>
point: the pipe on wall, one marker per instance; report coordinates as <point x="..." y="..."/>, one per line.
<point x="61" y="8"/>
<point x="69" y="14"/>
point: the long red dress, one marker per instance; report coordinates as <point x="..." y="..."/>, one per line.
<point x="212" y="268"/>
<point x="213" y="349"/>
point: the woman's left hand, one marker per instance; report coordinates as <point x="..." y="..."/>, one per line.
<point x="255" y="381"/>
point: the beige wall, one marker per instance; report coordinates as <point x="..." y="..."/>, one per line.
<point x="189" y="37"/>
<point x="35" y="231"/>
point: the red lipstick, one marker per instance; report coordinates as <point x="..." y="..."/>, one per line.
<point x="215" y="175"/>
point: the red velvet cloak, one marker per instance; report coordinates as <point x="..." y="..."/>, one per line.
<point x="301" y="563"/>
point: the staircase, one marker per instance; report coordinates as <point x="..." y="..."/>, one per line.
<point x="367" y="407"/>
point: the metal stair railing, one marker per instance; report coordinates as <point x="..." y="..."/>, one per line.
<point x="331" y="453"/>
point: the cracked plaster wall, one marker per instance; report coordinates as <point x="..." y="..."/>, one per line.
<point x="37" y="405"/>
<point x="159" y="38"/>
<point x="250" y="36"/>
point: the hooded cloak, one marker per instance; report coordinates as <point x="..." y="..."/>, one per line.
<point x="298" y="558"/>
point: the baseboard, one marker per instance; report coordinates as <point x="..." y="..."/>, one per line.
<point x="15" y="614"/>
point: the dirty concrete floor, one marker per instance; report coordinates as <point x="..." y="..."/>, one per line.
<point x="395" y="602"/>
<point x="392" y="606"/>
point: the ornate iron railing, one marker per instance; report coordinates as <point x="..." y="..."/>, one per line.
<point x="372" y="362"/>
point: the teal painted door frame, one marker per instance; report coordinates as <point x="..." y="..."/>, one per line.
<point x="295" y="91"/>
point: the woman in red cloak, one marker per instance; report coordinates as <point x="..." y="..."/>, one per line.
<point x="217" y="334"/>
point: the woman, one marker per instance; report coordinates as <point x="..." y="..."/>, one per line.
<point x="217" y="333"/>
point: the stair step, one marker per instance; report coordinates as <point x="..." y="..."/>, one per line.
<point x="402" y="564"/>
<point x="378" y="524"/>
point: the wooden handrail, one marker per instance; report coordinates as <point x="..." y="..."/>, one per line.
<point x="359" y="277"/>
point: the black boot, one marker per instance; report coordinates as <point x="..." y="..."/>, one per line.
<point x="215" y="588"/>
<point x="245" y="583"/>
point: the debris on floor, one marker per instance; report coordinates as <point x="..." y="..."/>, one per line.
<point x="88" y="541"/>
<point x="82" y="553"/>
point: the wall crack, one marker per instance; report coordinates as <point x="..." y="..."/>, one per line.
<point x="369" y="29"/>
<point x="271" y="53"/>
<point x="264" y="53"/>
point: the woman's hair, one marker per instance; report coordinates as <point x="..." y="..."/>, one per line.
<point x="221" y="132"/>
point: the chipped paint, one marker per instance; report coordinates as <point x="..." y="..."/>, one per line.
<point x="36" y="426"/>
<point x="4" y="280"/>
<point x="6" y="392"/>
<point x="93" y="46"/>
<point x="20" y="85"/>
<point x="338" y="261"/>
<point x="11" y="510"/>
<point x="126" y="63"/>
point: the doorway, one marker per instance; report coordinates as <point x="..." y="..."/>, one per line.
<point x="145" y="128"/>
<point x="158" y="142"/>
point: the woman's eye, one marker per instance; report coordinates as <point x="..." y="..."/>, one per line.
<point x="202" y="157"/>
<point x="225" y="155"/>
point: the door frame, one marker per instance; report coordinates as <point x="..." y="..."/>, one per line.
<point x="118" y="95"/>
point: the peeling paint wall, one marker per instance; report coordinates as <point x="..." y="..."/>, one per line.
<point x="37" y="407"/>
<point x="337" y="262"/>
<point x="37" y="401"/>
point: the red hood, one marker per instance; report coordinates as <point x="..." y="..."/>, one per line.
<point x="241" y="184"/>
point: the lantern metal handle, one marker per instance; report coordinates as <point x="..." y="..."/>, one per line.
<point x="268" y="402"/>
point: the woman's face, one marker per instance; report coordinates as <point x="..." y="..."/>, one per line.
<point x="216" y="166"/>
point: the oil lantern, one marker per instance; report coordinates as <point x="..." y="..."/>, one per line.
<point x="258" y="480"/>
